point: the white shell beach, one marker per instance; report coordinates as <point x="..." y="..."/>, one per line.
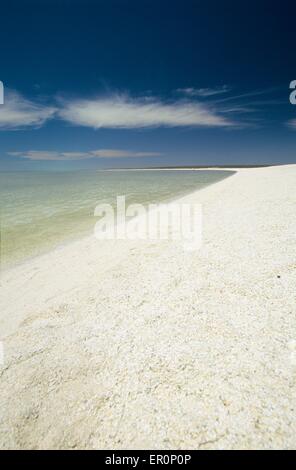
<point x="130" y="345"/>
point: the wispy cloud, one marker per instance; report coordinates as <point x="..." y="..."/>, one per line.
<point x="247" y="95"/>
<point x="292" y="124"/>
<point x="115" y="153"/>
<point x="66" y="156"/>
<point x="18" y="112"/>
<point x="122" y="111"/>
<point x="204" y="92"/>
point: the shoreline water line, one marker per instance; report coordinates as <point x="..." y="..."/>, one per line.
<point x="43" y="211"/>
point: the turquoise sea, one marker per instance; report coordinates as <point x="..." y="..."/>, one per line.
<point x="40" y="210"/>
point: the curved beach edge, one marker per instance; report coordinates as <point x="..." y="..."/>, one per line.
<point x="129" y="345"/>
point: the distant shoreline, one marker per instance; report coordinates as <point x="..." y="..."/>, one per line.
<point x="197" y="167"/>
<point x="152" y="168"/>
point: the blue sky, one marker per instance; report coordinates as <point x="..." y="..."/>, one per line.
<point x="116" y="83"/>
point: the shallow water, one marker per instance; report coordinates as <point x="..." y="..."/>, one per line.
<point x="40" y="210"/>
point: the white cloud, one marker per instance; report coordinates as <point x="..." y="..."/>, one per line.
<point x="292" y="124"/>
<point x="18" y="112"/>
<point x="248" y="94"/>
<point x="102" y="153"/>
<point x="115" y="153"/>
<point x="204" y="92"/>
<point x="121" y="111"/>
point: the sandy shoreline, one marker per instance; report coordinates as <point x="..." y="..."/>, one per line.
<point x="144" y="345"/>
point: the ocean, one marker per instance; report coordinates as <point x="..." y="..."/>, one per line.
<point x="41" y="210"/>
